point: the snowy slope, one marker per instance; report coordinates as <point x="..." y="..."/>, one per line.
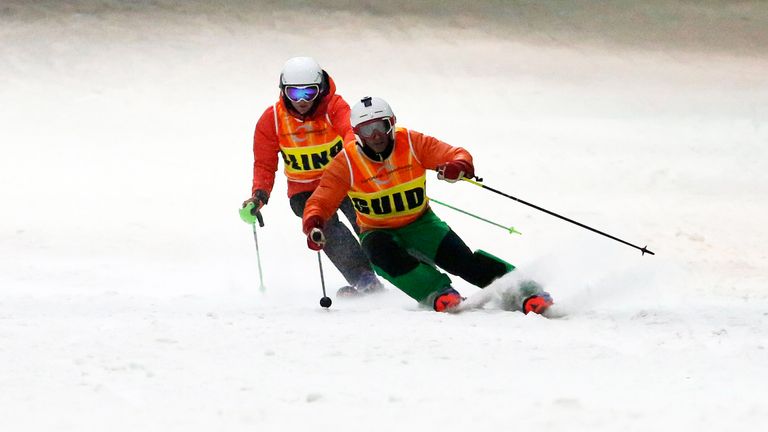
<point x="128" y="286"/>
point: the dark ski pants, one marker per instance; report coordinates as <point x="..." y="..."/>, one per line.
<point x="407" y="258"/>
<point x="341" y="246"/>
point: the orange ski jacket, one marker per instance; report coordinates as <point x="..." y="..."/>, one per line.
<point x="306" y="145"/>
<point x="388" y="194"/>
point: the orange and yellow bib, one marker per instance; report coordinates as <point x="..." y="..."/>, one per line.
<point x="306" y="146"/>
<point x="391" y="194"/>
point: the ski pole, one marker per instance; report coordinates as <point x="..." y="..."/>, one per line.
<point x="511" y="230"/>
<point x="478" y="181"/>
<point x="258" y="255"/>
<point x="247" y="214"/>
<point x="325" y="301"/>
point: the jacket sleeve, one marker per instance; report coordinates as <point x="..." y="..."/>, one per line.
<point x="333" y="187"/>
<point x="338" y="111"/>
<point x="432" y="152"/>
<point x="265" y="151"/>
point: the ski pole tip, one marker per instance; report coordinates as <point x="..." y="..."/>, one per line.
<point x="644" y="250"/>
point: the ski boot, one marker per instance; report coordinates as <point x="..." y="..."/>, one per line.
<point x="367" y="284"/>
<point x="447" y="299"/>
<point x="526" y="296"/>
<point x="347" y="291"/>
<point x="537" y="303"/>
<point x="536" y="299"/>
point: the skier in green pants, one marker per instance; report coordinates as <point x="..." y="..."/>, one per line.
<point x="384" y="174"/>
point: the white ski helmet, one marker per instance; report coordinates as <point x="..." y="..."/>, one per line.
<point x="372" y="108"/>
<point x="301" y="71"/>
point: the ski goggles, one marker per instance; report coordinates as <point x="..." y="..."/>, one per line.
<point x="370" y="128"/>
<point x="298" y="93"/>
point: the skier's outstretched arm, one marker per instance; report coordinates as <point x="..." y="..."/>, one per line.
<point x="450" y="162"/>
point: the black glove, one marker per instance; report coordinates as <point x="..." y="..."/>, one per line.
<point x="259" y="199"/>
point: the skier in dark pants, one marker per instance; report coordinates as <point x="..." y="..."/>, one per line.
<point x="384" y="173"/>
<point x="307" y="126"/>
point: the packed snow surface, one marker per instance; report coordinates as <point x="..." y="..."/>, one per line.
<point x="129" y="290"/>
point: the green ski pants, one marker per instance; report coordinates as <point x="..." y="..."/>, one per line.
<point x="407" y="257"/>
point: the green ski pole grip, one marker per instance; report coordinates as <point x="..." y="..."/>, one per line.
<point x="250" y="215"/>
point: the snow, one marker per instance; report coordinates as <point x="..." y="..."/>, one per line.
<point x="129" y="288"/>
